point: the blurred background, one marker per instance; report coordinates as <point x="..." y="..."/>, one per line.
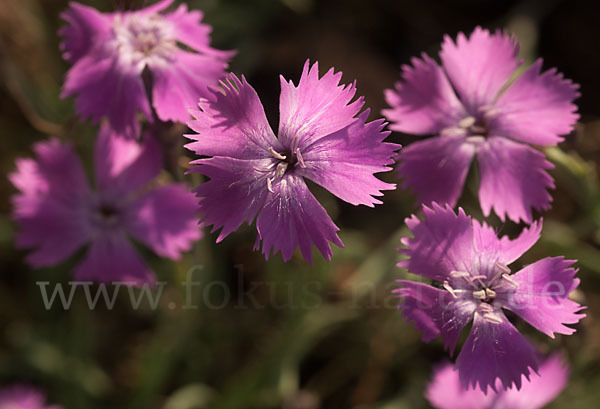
<point x="268" y="334"/>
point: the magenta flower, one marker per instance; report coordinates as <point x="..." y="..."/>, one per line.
<point x="23" y="397"/>
<point x="446" y="392"/>
<point x="470" y="262"/>
<point x="58" y="212"/>
<point x="110" y="51"/>
<point x="473" y="109"/>
<point x="322" y="137"/>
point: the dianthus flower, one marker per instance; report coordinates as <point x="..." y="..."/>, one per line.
<point x="58" y="212"/>
<point x="23" y="397"/>
<point x="445" y="391"/>
<point x="322" y="137"/>
<point x="474" y="109"/>
<point x="470" y="265"/>
<point x="110" y="51"/>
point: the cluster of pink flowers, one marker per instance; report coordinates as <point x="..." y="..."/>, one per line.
<point x="131" y="70"/>
<point x="474" y="110"/>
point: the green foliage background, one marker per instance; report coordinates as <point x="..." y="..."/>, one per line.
<point x="268" y="334"/>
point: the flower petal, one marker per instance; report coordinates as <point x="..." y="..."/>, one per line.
<point x="165" y="220"/>
<point x="445" y="392"/>
<point x="435" y="169"/>
<point x="513" y="249"/>
<point x="495" y="351"/>
<point x="316" y="107"/>
<point x="189" y="30"/>
<point x="424" y="101"/>
<point x="177" y="86"/>
<point x="445" y="242"/>
<point x="292" y="217"/>
<point x="85" y="28"/>
<point x="479" y="66"/>
<point x="542" y="389"/>
<point x="435" y="312"/>
<point x="56" y="172"/>
<point x="103" y="87"/>
<point x="50" y="207"/>
<point x="542" y="298"/>
<point x="442" y="242"/>
<point x="345" y="161"/>
<point x="123" y="166"/>
<point x="506" y="250"/>
<point x="155" y="8"/>
<point x="513" y="179"/>
<point x="23" y="396"/>
<point x="236" y="191"/>
<point x="536" y="108"/>
<point x="112" y="259"/>
<point x="54" y="232"/>
<point x="232" y="123"/>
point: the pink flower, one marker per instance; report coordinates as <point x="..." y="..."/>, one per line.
<point x="58" y="212"/>
<point x="322" y="137"/>
<point x="473" y="109"/>
<point x="470" y="264"/>
<point x="110" y="51"/>
<point x="23" y="397"/>
<point x="446" y="392"/>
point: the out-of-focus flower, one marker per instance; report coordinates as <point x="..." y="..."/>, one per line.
<point x="23" y="397"/>
<point x="58" y="212"/>
<point x="446" y="392"/>
<point x="322" y="137"/>
<point x="110" y="51"/>
<point x="470" y="262"/>
<point x="474" y="109"/>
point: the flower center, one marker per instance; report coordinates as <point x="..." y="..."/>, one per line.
<point x="474" y="126"/>
<point x="481" y="288"/>
<point x="283" y="162"/>
<point x="140" y="39"/>
<point x="105" y="214"/>
<point x="107" y="211"/>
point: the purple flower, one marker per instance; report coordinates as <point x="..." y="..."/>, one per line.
<point x="445" y="391"/>
<point x="474" y="110"/>
<point x="23" y="397"/>
<point x="110" y="51"/>
<point x="470" y="262"/>
<point x="58" y="212"/>
<point x="322" y="137"/>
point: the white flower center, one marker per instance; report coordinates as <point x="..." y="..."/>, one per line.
<point x="141" y="39"/>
